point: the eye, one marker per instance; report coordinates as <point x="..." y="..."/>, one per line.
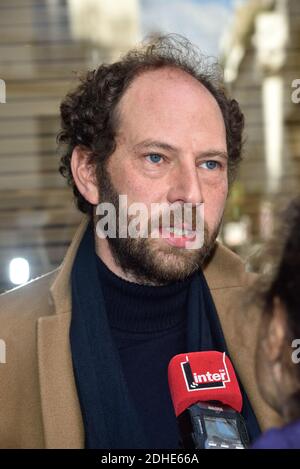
<point x="211" y="164"/>
<point x="154" y="158"/>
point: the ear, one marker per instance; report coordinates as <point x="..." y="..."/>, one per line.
<point x="275" y="337"/>
<point x="84" y="175"/>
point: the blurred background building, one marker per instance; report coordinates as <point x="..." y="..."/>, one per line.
<point x="261" y="59"/>
<point x="46" y="44"/>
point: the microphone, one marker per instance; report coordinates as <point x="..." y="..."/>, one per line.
<point x="207" y="401"/>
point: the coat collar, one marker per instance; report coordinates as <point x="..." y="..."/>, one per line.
<point x="60" y="289"/>
<point x="62" y="418"/>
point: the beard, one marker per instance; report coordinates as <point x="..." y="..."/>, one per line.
<point x="148" y="260"/>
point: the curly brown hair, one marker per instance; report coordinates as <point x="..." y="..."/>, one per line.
<point x="89" y="116"/>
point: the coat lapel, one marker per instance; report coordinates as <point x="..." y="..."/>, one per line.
<point x="63" y="427"/>
<point x="60" y="406"/>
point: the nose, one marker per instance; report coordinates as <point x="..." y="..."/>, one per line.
<point x="185" y="185"/>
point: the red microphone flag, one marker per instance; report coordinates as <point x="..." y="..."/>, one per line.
<point x="203" y="376"/>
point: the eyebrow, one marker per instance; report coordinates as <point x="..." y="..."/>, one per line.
<point x="166" y="146"/>
<point x="154" y="144"/>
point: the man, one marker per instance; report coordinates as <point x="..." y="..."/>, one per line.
<point x="88" y="345"/>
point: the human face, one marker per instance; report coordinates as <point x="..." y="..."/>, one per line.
<point x="171" y="148"/>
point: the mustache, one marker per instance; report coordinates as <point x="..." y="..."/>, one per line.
<point x="180" y="219"/>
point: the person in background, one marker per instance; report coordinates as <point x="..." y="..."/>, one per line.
<point x="278" y="347"/>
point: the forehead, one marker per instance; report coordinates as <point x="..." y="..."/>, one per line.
<point x="170" y="101"/>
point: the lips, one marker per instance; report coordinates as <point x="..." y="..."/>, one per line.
<point x="177" y="237"/>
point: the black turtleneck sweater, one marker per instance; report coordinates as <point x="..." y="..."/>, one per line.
<point x="148" y="325"/>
